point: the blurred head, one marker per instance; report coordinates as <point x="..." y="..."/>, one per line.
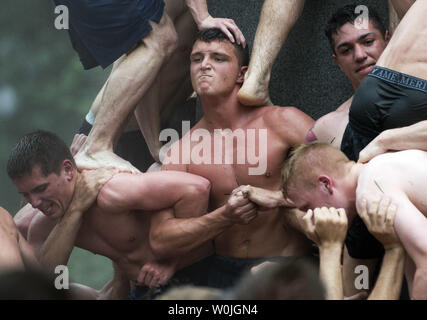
<point x="356" y="49"/>
<point x="284" y="280"/>
<point x="315" y="175"/>
<point x="44" y="171"/>
<point x="216" y="64"/>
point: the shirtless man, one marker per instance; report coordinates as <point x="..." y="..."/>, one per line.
<point x="15" y="253"/>
<point x="217" y="72"/>
<point x="139" y="37"/>
<point x="318" y="175"/>
<point x="276" y="22"/>
<point x="116" y="225"/>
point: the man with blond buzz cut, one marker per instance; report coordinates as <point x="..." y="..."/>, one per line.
<point x="317" y="175"/>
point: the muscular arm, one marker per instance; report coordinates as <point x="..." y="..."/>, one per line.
<point x="411" y="137"/>
<point x="411" y="226"/>
<point x="327" y="228"/>
<point x="176" y="233"/>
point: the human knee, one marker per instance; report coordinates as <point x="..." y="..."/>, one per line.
<point x="164" y="37"/>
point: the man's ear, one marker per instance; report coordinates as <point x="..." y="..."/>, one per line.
<point x="387" y="36"/>
<point x="334" y="56"/>
<point x="69" y="169"/>
<point x="325" y="183"/>
<point x="242" y="73"/>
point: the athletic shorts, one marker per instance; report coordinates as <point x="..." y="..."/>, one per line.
<point x="103" y="30"/>
<point x="131" y="147"/>
<point x="386" y="99"/>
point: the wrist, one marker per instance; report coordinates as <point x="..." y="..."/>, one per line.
<point x="331" y="246"/>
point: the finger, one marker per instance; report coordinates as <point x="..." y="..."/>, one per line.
<point x="141" y="276"/>
<point x="308" y="221"/>
<point x="247" y="207"/>
<point x="155" y="281"/>
<point x="343" y="215"/>
<point x="382" y="210"/>
<point x="391" y="214"/>
<point x="225" y="30"/>
<point x="148" y="278"/>
<point x="364" y="211"/>
<point x="373" y="208"/>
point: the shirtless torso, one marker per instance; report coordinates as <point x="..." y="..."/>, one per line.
<point x="273" y="232"/>
<point x="117" y="225"/>
<point x="406" y="51"/>
<point x="402" y="177"/>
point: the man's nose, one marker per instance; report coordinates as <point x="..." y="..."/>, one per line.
<point x="206" y="64"/>
<point x="35" y="201"/>
<point x="359" y="53"/>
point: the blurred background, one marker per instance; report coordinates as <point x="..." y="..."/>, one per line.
<point x="43" y="86"/>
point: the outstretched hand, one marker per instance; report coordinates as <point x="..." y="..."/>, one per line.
<point x="228" y="26"/>
<point x="88" y="185"/>
<point x="378" y="217"/>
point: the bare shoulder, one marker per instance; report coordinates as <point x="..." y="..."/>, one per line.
<point x="6" y="219"/>
<point x="289" y="115"/>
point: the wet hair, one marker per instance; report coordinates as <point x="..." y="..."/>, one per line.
<point x="215" y="34"/>
<point x="347" y="14"/>
<point x="41" y="148"/>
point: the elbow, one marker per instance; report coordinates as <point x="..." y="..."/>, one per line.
<point x="199" y="189"/>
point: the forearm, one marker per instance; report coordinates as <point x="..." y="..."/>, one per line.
<point x="389" y="281"/>
<point x="198" y="9"/>
<point x="419" y="289"/>
<point x="57" y="248"/>
<point x="175" y="236"/>
<point x="330" y="271"/>
<point x="412" y="137"/>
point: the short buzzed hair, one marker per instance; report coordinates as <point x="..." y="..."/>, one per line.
<point x="306" y="162"/>
<point x="41" y="148"/>
<point x="215" y="34"/>
<point x="347" y="14"/>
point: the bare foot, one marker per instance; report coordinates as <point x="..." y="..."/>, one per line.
<point x="254" y="93"/>
<point x="103" y="159"/>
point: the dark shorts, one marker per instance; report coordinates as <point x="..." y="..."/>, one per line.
<point x="103" y="30"/>
<point x="131" y="147"/>
<point x="385" y="99"/>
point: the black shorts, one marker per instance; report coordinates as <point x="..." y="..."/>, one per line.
<point x="131" y="147"/>
<point x="386" y="99"/>
<point x="103" y="30"/>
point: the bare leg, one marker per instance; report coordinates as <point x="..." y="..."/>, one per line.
<point x="128" y="82"/>
<point x="170" y="89"/>
<point x="276" y="21"/>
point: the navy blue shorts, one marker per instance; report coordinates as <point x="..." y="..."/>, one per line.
<point x="103" y="30"/>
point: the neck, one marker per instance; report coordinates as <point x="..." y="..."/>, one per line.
<point x="224" y="111"/>
<point x="352" y="176"/>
